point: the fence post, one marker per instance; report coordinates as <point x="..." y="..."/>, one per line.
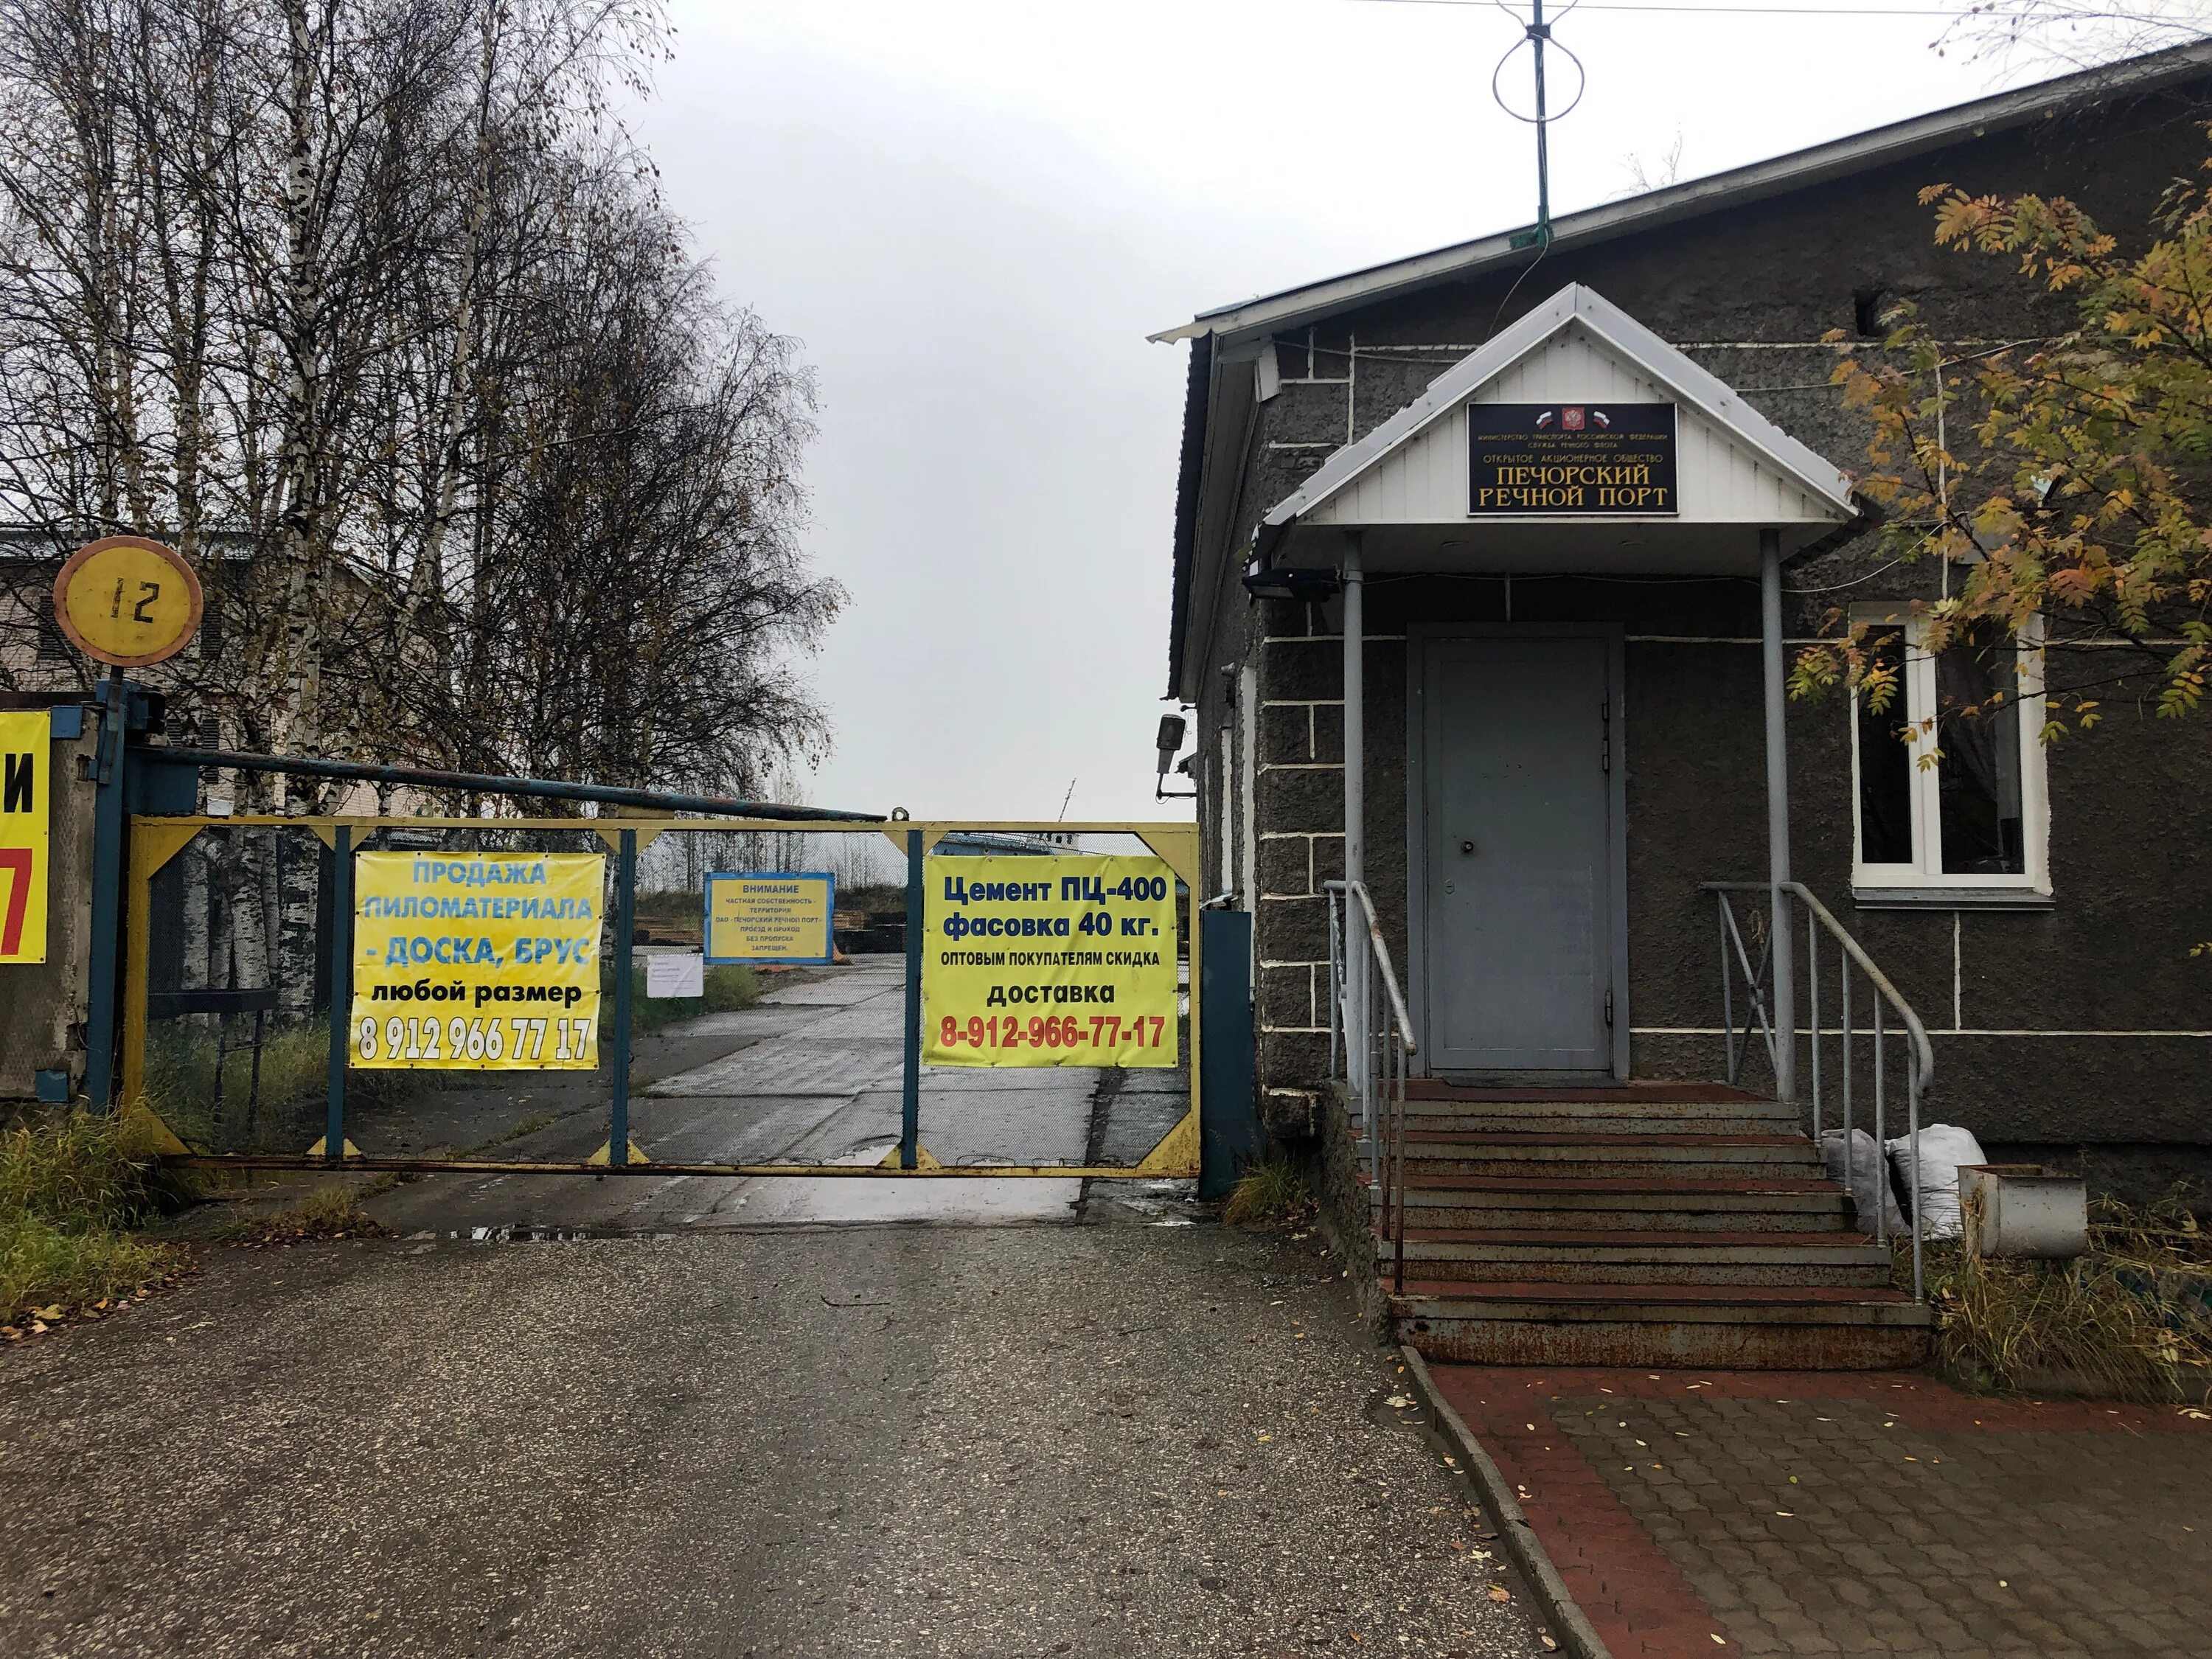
<point x="107" y="833"/>
<point x="341" y="989"/>
<point x="910" y="1094"/>
<point x="625" y="917"/>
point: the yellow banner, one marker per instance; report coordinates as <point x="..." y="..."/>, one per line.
<point x="27" y="753"/>
<point x="1049" y="962"/>
<point x="488" y="962"/>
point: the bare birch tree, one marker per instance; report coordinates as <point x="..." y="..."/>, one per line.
<point x="368" y="306"/>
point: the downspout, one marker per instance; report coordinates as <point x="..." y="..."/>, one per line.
<point x="1355" y="809"/>
<point x="1778" y="817"/>
<point x="1355" y="712"/>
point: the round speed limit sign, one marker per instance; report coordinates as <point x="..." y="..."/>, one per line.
<point x="128" y="601"/>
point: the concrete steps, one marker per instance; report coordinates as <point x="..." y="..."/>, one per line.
<point x="1752" y="1328"/>
<point x="1661" y="1225"/>
<point x="1470" y="1152"/>
<point x="1621" y="1116"/>
<point x="1667" y="1203"/>
<point x="1641" y="1257"/>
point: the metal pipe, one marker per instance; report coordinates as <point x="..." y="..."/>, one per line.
<point x="664" y="1171"/>
<point x="1538" y="33"/>
<point x="1844" y="986"/>
<point x="106" y="965"/>
<point x="1355" y="785"/>
<point x="1355" y="712"/>
<point x="1398" y="1135"/>
<point x="1881" y="1145"/>
<point x="1812" y="1010"/>
<point x="1335" y="979"/>
<point x="1728" y="981"/>
<point x="1382" y="958"/>
<point x="1778" y="815"/>
<point x="1752" y="977"/>
<point x="341" y="976"/>
<point x="909" y="1147"/>
<point x="1883" y="987"/>
<point x="475" y="783"/>
<point x="1365" y="981"/>
<point x="1912" y="1130"/>
<point x="625" y="930"/>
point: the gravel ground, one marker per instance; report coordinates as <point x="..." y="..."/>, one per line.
<point x="1101" y="1439"/>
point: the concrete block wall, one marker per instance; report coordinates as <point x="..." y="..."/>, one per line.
<point x="2077" y="1033"/>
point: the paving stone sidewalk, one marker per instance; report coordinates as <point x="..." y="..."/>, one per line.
<point x="1695" y="1513"/>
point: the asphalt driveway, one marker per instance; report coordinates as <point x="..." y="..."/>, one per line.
<point x="962" y="1440"/>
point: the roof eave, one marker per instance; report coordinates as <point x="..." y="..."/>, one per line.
<point x="1860" y="151"/>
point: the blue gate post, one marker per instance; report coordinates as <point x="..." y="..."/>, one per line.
<point x="106" y="962"/>
<point x="910" y="1101"/>
<point x="625" y="915"/>
<point x="341" y="988"/>
<point x="1229" y="1139"/>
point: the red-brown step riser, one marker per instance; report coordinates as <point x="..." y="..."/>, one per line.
<point x="1500" y="1210"/>
<point x="1469" y="1161"/>
<point x="1662" y="1345"/>
<point x="1735" y="1265"/>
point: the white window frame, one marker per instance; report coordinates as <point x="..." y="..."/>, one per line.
<point x="1925" y="877"/>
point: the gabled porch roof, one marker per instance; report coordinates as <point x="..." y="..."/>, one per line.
<point x="1403" y="486"/>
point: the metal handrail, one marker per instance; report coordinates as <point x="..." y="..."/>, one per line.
<point x="1880" y="981"/>
<point x="1381" y="956"/>
<point x="1385" y="1046"/>
<point x="1920" y="1056"/>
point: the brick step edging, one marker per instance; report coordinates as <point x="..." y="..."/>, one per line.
<point x="1576" y="1636"/>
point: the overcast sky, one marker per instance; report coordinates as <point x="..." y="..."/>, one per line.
<point x="971" y="212"/>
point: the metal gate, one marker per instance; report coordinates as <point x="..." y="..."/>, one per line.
<point x="238" y="956"/>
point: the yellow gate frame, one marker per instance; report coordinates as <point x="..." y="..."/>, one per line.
<point x="155" y="839"/>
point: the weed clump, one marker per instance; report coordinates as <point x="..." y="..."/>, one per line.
<point x="2131" y="1320"/>
<point x="70" y="1189"/>
<point x="1270" y="1194"/>
<point x="326" y="1213"/>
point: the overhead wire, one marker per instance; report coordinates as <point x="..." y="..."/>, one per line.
<point x="1951" y="12"/>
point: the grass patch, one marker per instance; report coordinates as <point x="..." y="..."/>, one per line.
<point x="70" y="1189"/>
<point x="671" y="904"/>
<point x="875" y="898"/>
<point x="326" y="1213"/>
<point x="2132" y="1319"/>
<point x="47" y="1274"/>
<point x="82" y="1172"/>
<point x="181" y="1074"/>
<point x="285" y="1112"/>
<point x="727" y="989"/>
<point x="1270" y="1194"/>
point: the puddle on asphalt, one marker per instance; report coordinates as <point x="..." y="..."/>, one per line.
<point x="526" y="1234"/>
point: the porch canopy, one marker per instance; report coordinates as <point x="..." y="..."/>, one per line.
<point x="1405" y="487"/>
<point x="1745" y="496"/>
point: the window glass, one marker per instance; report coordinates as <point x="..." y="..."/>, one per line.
<point x="1885" y="762"/>
<point x="1977" y="731"/>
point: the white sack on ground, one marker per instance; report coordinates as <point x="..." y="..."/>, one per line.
<point x="1867" y="1181"/>
<point x="1943" y="1148"/>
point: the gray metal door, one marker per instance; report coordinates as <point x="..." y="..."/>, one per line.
<point x="1518" y="856"/>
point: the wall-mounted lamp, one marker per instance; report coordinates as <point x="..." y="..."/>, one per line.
<point x="1172" y="730"/>
<point x="1307" y="587"/>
